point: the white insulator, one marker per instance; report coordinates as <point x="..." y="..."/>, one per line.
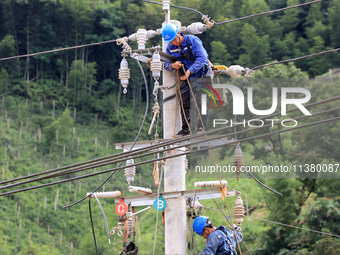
<point x="156" y="65"/>
<point x="124" y="74"/>
<point x="235" y="70"/>
<point x="130" y="171"/>
<point x="108" y="194"/>
<point x="196" y="204"/>
<point x="151" y="33"/>
<point x="238" y="160"/>
<point x="238" y="211"/>
<point x="196" y="28"/>
<point x="130" y="225"/>
<point x="140" y="190"/>
<point x="166" y="4"/>
<point x="211" y="183"/>
<point x="141" y="38"/>
<point x="133" y="37"/>
<point x="186" y="164"/>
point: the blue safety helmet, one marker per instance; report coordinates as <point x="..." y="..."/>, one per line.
<point x="199" y="224"/>
<point x="169" y="32"/>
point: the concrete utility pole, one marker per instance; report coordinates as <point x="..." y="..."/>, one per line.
<point x="174" y="172"/>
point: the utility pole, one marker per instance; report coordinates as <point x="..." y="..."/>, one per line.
<point x="174" y="172"/>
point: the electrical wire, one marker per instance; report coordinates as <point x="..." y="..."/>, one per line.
<point x="130" y="154"/>
<point x="279" y="223"/>
<point x="245" y="17"/>
<point x="177" y="155"/>
<point x="101" y="208"/>
<point x="175" y="6"/>
<point x="268" y="12"/>
<point x="292" y="226"/>
<point x="134" y="142"/>
<point x="57" y="50"/>
<point x="171" y="148"/>
<point x="297" y="58"/>
<point x="93" y="233"/>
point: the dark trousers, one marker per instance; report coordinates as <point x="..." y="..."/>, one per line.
<point x="185" y="112"/>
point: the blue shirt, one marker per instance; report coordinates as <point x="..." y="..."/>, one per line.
<point x="191" y="53"/>
<point x="222" y="242"/>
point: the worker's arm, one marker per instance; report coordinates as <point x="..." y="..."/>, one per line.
<point x="168" y="65"/>
<point x="231" y="236"/>
<point x="201" y="55"/>
<point x="213" y="242"/>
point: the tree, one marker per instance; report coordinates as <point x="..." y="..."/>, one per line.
<point x="219" y="53"/>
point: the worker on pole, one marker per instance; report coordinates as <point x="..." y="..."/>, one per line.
<point x="190" y="54"/>
<point x="219" y="240"/>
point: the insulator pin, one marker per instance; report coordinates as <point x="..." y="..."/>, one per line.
<point x="238" y="161"/>
<point x="124" y="74"/>
<point x="130" y="171"/>
<point x="211" y="183"/>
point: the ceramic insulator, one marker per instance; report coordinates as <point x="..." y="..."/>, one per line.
<point x="140" y="190"/>
<point x="238" y="160"/>
<point x="238" y="211"/>
<point x="130" y="171"/>
<point x="124" y="74"/>
<point x="211" y="183"/>
<point x="156" y="65"/>
<point x="141" y="38"/>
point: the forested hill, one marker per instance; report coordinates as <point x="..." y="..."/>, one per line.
<point x="66" y="107"/>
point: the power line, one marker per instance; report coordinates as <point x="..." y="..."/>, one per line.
<point x="268" y="12"/>
<point x="108" y="162"/>
<point x="291" y="226"/>
<point x="134" y="142"/>
<point x="131" y="154"/>
<point x="173" y="156"/>
<point x="279" y="223"/>
<point x="175" y="6"/>
<point x="297" y="58"/>
<point x="57" y="50"/>
<point x="241" y="18"/>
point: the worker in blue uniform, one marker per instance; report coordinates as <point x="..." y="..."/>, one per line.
<point x="219" y="240"/>
<point x="190" y="53"/>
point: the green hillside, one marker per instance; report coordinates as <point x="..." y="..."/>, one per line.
<point x="67" y="107"/>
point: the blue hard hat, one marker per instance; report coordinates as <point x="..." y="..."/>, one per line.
<point x="199" y="224"/>
<point x="169" y="32"/>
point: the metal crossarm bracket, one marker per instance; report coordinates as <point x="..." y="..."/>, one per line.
<point x="201" y="194"/>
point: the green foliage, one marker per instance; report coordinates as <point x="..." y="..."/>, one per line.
<point x="72" y="99"/>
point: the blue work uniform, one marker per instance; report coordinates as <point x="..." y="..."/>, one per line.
<point x="192" y="54"/>
<point x="222" y="242"/>
<point x="194" y="57"/>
